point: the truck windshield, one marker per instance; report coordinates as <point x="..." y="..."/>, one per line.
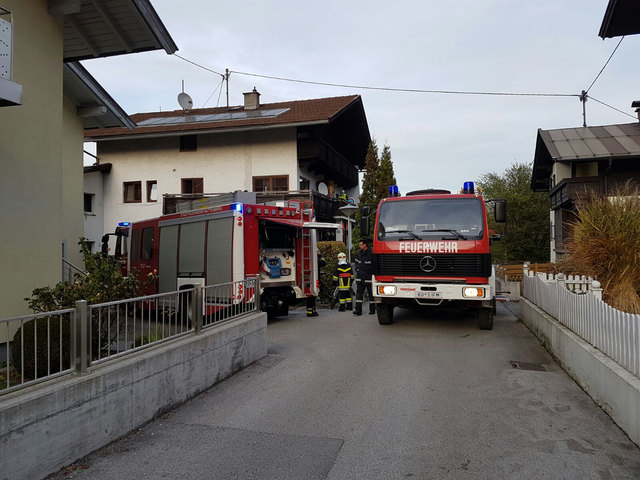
<point x="450" y="218"/>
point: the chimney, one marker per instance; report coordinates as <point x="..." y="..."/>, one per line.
<point x="636" y="104"/>
<point x="251" y="99"/>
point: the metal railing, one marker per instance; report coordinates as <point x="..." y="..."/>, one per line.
<point x="36" y="347"/>
<point x="46" y="345"/>
<point x="69" y="271"/>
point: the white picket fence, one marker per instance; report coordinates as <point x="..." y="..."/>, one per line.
<point x="576" y="302"/>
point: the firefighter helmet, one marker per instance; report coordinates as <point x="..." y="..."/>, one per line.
<point x="342" y="256"/>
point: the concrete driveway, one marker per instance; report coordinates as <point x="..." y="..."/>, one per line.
<point x="341" y="397"/>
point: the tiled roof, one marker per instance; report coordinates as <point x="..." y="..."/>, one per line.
<point x="299" y="112"/>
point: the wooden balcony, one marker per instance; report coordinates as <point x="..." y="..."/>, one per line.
<point x="320" y="157"/>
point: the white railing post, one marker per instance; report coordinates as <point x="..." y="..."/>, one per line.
<point x="80" y="340"/>
<point x="596" y="289"/>
<point x="196" y="308"/>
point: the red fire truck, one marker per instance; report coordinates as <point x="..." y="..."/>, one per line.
<point x="432" y="247"/>
<point x="275" y="241"/>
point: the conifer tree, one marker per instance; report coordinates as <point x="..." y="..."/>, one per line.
<point x="386" y="176"/>
<point x="370" y="178"/>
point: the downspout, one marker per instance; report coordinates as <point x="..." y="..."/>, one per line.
<point x="606" y="186"/>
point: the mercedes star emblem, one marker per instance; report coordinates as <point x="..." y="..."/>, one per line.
<point x="427" y="264"/>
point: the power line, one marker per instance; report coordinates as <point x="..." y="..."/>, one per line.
<point x="198" y="65"/>
<point x="387" y="89"/>
<point x="605" y="65"/>
<point x="212" y="93"/>
<point x="582" y="96"/>
<point x="407" y="90"/>
<point x="613" y="108"/>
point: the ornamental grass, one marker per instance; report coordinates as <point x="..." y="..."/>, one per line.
<point x="605" y="244"/>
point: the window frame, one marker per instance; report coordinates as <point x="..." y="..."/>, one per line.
<point x="150" y="184"/>
<point x="137" y="191"/>
<point x="90" y="197"/>
<point x="270" y="180"/>
<point x="194" y="181"/>
<point x="188" y="143"/>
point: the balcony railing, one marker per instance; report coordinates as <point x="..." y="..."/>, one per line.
<point x="323" y="158"/>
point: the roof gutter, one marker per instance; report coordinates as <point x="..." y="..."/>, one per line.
<point x="101" y="94"/>
<point x="152" y="20"/>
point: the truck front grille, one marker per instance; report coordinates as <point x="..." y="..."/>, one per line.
<point x="446" y="265"/>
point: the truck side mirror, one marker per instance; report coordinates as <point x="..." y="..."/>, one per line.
<point x="500" y="212"/>
<point x="364" y="222"/>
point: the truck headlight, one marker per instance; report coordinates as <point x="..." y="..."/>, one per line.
<point x="386" y="289"/>
<point x="473" y="292"/>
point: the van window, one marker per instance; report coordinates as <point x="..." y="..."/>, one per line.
<point x="146" y="249"/>
<point x="191" y="250"/>
<point x="135" y="238"/>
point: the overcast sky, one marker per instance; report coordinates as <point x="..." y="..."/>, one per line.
<point x="436" y="140"/>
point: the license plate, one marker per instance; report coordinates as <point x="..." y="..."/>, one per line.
<point x="429" y="294"/>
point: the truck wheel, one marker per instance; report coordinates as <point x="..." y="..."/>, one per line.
<point x="485" y="319"/>
<point x="385" y="313"/>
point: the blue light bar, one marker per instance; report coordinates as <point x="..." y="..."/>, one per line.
<point x="124" y="224"/>
<point x="468" y="187"/>
<point x="237" y="207"/>
<point x="393" y="191"/>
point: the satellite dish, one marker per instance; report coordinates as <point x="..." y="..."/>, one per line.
<point x="185" y="101"/>
<point x="322" y="188"/>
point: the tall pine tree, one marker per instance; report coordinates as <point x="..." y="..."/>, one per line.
<point x="370" y="178"/>
<point x="386" y="176"/>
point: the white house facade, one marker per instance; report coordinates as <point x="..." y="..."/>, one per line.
<point x="277" y="147"/>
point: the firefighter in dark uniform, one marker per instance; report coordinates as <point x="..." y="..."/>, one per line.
<point x="311" y="301"/>
<point x="364" y="272"/>
<point x="342" y="278"/>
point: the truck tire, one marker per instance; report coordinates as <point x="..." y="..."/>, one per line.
<point x="385" y="313"/>
<point x="485" y="318"/>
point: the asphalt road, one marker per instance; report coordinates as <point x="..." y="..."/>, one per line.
<point x="341" y="397"/>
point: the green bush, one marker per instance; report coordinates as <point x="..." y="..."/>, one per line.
<point x="53" y="350"/>
<point x="102" y="283"/>
<point x="147" y="338"/>
<point x="329" y="251"/>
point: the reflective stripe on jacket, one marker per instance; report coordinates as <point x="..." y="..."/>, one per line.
<point x="364" y="265"/>
<point x="343" y="276"/>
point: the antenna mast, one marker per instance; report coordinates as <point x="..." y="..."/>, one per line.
<point x="226" y="78"/>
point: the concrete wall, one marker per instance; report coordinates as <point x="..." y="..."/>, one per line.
<point x="512" y="287"/>
<point x="31" y="165"/>
<point x="46" y="427"/>
<point x="612" y="387"/>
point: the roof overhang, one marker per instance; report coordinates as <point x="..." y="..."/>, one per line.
<point x="206" y="131"/>
<point x="95" y="107"/>
<point x="101" y="167"/>
<point x="289" y="222"/>
<point x="622" y="17"/>
<point x="102" y="28"/>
